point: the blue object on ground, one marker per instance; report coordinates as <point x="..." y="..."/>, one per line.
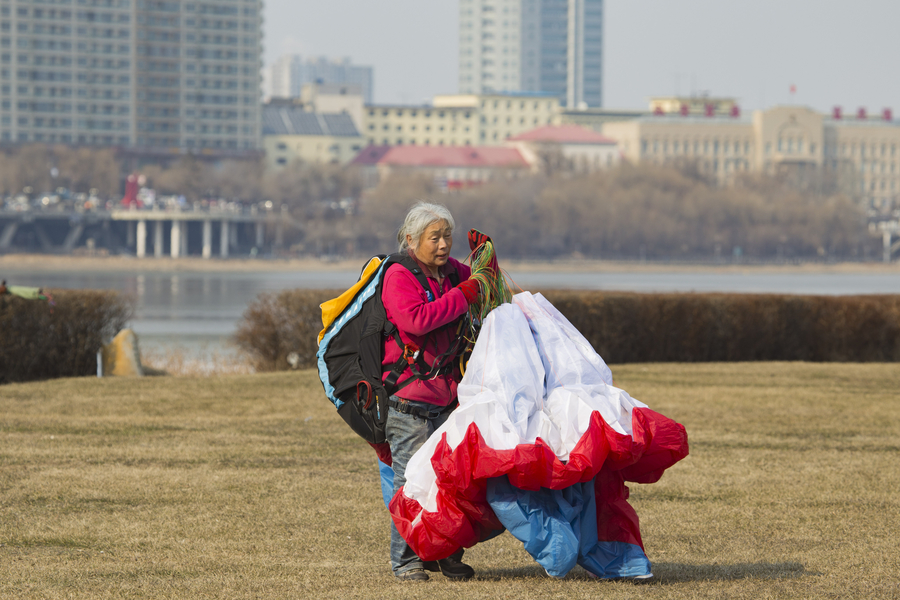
<point x="559" y="529"/>
<point x="387" y="482"/>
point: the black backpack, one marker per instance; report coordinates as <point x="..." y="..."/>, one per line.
<point x="351" y="351"/>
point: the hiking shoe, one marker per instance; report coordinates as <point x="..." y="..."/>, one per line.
<point x="412" y="575"/>
<point x="454" y="569"/>
<point x="432" y="565"/>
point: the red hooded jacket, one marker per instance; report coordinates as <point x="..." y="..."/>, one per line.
<point x="407" y="307"/>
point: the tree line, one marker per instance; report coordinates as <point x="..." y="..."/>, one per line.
<point x="651" y="212"/>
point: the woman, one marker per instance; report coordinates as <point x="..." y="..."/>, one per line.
<point x="427" y="322"/>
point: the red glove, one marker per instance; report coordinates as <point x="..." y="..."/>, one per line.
<point x="470" y="290"/>
<point x="476" y="238"/>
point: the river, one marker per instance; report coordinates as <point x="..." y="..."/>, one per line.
<point x="194" y="310"/>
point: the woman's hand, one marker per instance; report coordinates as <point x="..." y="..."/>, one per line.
<point x="470" y="290"/>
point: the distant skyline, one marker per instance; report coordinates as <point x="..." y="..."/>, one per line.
<point x="836" y="53"/>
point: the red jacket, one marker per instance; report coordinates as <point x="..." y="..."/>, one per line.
<point x="407" y="307"/>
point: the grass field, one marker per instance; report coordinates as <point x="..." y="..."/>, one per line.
<point x="249" y="486"/>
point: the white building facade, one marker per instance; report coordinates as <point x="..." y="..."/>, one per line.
<point x="286" y="77"/>
<point x="551" y="46"/>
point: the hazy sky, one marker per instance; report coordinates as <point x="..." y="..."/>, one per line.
<point x="835" y="52"/>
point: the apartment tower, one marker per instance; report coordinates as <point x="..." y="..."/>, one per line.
<point x="551" y="46"/>
<point x="149" y="75"/>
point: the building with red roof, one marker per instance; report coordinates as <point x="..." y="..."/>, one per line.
<point x="571" y="147"/>
<point x="452" y="167"/>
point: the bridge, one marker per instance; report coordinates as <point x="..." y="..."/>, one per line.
<point x="174" y="231"/>
<point x="887" y="229"/>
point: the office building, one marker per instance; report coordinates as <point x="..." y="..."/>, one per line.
<point x="151" y="76"/>
<point x="861" y="152"/>
<point x="553" y="46"/>
<point x="292" y="133"/>
<point x="459" y="119"/>
<point x="286" y="77"/>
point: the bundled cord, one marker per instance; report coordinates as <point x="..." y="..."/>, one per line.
<point x="494" y="290"/>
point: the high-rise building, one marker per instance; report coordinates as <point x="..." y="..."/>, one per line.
<point x="148" y="75"/>
<point x="553" y="46"/>
<point x="286" y="77"/>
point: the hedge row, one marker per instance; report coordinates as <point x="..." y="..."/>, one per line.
<point x="628" y="328"/>
<point x="40" y="340"/>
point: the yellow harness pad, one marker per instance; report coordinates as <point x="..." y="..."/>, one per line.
<point x="332" y="309"/>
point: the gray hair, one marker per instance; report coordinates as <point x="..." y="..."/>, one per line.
<point x="418" y="220"/>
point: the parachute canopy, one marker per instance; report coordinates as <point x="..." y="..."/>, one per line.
<point x="542" y="444"/>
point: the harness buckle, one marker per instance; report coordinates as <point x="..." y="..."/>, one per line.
<point x="410" y="353"/>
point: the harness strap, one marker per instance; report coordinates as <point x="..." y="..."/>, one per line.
<point x="422" y="413"/>
<point x="444" y="364"/>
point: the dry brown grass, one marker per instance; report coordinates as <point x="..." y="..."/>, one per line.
<point x="195" y="362"/>
<point x="249" y="486"/>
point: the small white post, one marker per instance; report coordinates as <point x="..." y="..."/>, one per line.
<point x="175" y="241"/>
<point x="223" y="240"/>
<point x="158" y="238"/>
<point x="207" y="238"/>
<point x="141" y="238"/>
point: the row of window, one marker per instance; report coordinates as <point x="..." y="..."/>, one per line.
<point x="694" y="147"/>
<point x="399" y="128"/>
<point x="716" y="166"/>
<point x="39" y="60"/>
<point x="413" y="112"/>
<point x="217" y="99"/>
<point x="59" y="123"/>
<point x="792" y="146"/>
<point x="876" y="186"/>
<point x="101" y="3"/>
<point x="66" y="92"/>
<point x="60" y="107"/>
<point x="38" y="44"/>
<point x="878" y="167"/>
<point x="868" y="148"/>
<point x="66" y="138"/>
<point x="401" y="141"/>
<point x="216" y="114"/>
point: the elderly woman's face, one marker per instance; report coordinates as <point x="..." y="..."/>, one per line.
<point x="433" y="248"/>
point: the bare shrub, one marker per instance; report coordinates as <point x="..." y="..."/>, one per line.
<point x="41" y="341"/>
<point x="275" y="325"/>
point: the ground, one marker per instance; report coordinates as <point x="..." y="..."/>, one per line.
<point x="250" y="486"/>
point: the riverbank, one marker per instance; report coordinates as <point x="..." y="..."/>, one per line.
<point x="43" y="263"/>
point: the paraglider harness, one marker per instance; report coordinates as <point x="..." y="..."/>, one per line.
<point x="351" y="351"/>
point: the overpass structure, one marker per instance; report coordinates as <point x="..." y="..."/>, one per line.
<point x="887" y="229"/>
<point x="154" y="232"/>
